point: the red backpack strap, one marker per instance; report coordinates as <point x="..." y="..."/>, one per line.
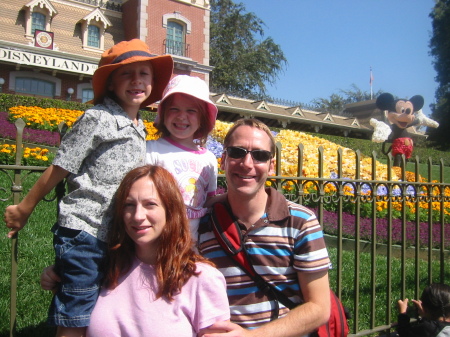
<point x="227" y="232"/>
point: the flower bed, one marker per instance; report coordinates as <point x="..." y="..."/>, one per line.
<point x="46" y="120"/>
<point x="31" y="156"/>
<point x="8" y="131"/>
<point x="330" y="223"/>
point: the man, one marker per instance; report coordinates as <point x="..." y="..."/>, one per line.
<point x="283" y="240"/>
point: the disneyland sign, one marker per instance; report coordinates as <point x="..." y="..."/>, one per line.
<point x="45" y="61"/>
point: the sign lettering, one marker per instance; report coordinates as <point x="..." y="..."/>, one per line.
<point x="32" y="59"/>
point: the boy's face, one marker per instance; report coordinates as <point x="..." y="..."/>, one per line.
<point x="132" y="85"/>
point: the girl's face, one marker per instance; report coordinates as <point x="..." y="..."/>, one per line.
<point x="132" y="85"/>
<point x="144" y="218"/>
<point x="182" y="118"/>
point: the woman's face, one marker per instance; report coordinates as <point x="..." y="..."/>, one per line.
<point x="144" y="218"/>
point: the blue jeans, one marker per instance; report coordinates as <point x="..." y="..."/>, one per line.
<point x="79" y="261"/>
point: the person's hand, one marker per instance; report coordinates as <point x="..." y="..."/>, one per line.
<point x="224" y="329"/>
<point x="403" y="306"/>
<point x="418" y="304"/>
<point x="15" y="219"/>
<point x="49" y="279"/>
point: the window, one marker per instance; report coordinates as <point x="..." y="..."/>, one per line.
<point x="38" y="15"/>
<point x="177" y="27"/>
<point x="87" y="95"/>
<point x="93" y="36"/>
<point x="35" y="86"/>
<point x="175" y="39"/>
<point x="37" y="22"/>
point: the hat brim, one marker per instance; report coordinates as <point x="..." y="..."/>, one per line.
<point x="162" y="72"/>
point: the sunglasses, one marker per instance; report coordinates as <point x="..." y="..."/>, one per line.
<point x="239" y="152"/>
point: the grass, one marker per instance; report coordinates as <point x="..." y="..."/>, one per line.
<point x="35" y="252"/>
<point x="381" y="286"/>
<point x="435" y="171"/>
<point x="423" y="170"/>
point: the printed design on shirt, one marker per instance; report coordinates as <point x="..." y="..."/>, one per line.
<point x="193" y="178"/>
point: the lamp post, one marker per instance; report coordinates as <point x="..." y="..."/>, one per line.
<point x="70" y="91"/>
<point x="2" y="81"/>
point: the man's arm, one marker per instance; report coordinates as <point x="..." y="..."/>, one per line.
<point x="300" y="321"/>
<point x="16" y="216"/>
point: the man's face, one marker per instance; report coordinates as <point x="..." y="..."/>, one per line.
<point x="247" y="176"/>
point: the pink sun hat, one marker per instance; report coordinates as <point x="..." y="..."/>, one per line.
<point x="195" y="87"/>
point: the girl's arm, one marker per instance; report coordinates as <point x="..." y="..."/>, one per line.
<point x="211" y="200"/>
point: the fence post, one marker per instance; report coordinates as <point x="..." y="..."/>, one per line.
<point x="16" y="190"/>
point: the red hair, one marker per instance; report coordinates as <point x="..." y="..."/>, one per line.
<point x="175" y="260"/>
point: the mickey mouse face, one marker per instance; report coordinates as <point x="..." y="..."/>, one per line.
<point x="403" y="115"/>
<point x="404" y="107"/>
<point x="400" y="112"/>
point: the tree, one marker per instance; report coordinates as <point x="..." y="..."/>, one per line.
<point x="440" y="50"/>
<point x="336" y="103"/>
<point x="243" y="63"/>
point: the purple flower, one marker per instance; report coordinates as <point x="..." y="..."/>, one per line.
<point x="382" y="190"/>
<point x="330" y="226"/>
<point x="396" y="191"/>
<point x="365" y="188"/>
<point x="9" y="131"/>
<point x="214" y="146"/>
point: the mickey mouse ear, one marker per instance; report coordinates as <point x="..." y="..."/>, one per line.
<point x="384" y="101"/>
<point x="417" y="101"/>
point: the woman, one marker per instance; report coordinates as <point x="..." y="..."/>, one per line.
<point x="155" y="285"/>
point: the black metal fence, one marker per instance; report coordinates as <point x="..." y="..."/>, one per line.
<point x="388" y="239"/>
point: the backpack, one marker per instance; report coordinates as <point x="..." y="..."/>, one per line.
<point x="229" y="236"/>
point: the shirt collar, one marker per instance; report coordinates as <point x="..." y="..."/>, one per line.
<point x="122" y="118"/>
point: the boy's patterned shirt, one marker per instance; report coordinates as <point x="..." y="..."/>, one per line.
<point x="103" y="145"/>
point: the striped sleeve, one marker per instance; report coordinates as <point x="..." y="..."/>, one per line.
<point x="310" y="252"/>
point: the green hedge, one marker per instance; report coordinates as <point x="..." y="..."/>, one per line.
<point x="8" y="100"/>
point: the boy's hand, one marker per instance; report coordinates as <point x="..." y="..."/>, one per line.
<point x="402" y="306"/>
<point x="15" y="219"/>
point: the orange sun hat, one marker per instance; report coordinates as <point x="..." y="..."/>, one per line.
<point x="127" y="52"/>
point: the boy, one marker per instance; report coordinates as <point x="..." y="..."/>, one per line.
<point x="105" y="143"/>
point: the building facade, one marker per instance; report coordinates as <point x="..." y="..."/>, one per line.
<point x="51" y="48"/>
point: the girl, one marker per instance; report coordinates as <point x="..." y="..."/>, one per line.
<point x="185" y="117"/>
<point x="434" y="311"/>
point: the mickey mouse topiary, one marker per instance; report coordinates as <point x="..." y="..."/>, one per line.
<point x="401" y="114"/>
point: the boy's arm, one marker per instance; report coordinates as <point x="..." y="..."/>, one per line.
<point x="16" y="216"/>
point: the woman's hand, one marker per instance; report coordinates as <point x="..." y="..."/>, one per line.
<point x="49" y="279"/>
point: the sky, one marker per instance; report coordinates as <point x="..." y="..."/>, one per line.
<point x="332" y="44"/>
